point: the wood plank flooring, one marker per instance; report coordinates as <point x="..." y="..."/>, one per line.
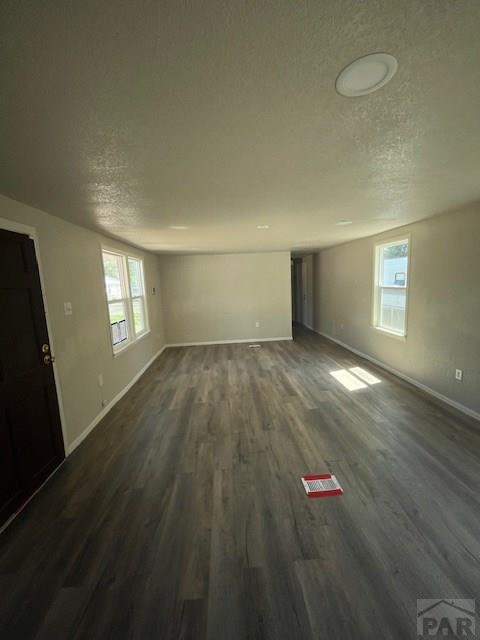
<point x="182" y="514"/>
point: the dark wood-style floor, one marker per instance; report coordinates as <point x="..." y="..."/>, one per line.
<point x="182" y="514"/>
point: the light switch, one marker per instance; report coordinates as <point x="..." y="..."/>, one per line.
<point x="67" y="306"/>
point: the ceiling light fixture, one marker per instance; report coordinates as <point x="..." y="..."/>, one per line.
<point x="343" y="223"/>
<point x="263" y="226"/>
<point x="178" y="227"/>
<point x="366" y="75"/>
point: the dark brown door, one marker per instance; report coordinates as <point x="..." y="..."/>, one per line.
<point x="31" y="443"/>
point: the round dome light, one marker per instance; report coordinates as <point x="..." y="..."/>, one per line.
<point x="366" y="74"/>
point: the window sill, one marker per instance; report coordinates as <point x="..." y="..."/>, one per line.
<point x="392" y="334"/>
<point x="130" y="344"/>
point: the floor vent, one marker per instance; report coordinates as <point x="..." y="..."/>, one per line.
<point x="254" y="346"/>
<point x="321" y="486"/>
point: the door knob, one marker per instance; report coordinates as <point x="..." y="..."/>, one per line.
<point x="45" y="348"/>
<point x="48" y="359"/>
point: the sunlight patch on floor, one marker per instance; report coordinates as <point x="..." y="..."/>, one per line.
<point x="365" y="375"/>
<point x="361" y="380"/>
<point x="348" y="380"/>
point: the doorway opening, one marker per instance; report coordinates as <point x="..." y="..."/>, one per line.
<point x="302" y="292"/>
<point x="297" y="292"/>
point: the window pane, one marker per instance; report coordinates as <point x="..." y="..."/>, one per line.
<point x="112" y="266"/>
<point x="392" y="309"/>
<point x="393" y="266"/>
<point x="135" y="273"/>
<point x="118" y="322"/>
<point x="138" y="315"/>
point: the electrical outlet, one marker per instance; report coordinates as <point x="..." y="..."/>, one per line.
<point x="459" y="374"/>
<point x="257" y="324"/>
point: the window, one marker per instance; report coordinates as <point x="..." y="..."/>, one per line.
<point x="125" y="289"/>
<point x="391" y="285"/>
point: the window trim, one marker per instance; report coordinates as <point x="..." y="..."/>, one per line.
<point x="132" y="297"/>
<point x="133" y="337"/>
<point x="390" y="242"/>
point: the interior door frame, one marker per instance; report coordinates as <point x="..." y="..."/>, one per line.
<point x="31" y="232"/>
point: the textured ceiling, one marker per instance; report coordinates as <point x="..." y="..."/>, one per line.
<point x="129" y="116"/>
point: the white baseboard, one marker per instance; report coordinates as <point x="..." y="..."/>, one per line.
<point x="238" y="341"/>
<point x="71" y="447"/>
<point x="403" y="376"/>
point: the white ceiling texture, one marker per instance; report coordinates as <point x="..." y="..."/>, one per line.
<point x="131" y="117"/>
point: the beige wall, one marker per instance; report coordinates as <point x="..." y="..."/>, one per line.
<point x="443" y="308"/>
<point x="72" y="271"/>
<point x="221" y="297"/>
